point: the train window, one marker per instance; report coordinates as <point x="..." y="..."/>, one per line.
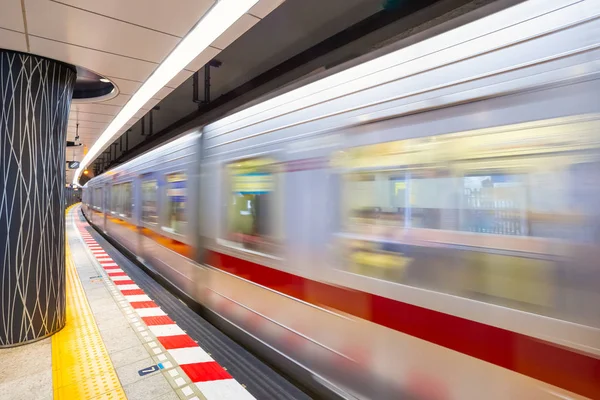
<point x="494" y="203"/>
<point x="121" y="200"/>
<point x="126" y="199"/>
<point x="380" y="202"/>
<point x="149" y="200"/>
<point x="375" y="201"/>
<point x="432" y="203"/>
<point x="487" y="214"/>
<point x="250" y="219"/>
<point x="176" y="199"/>
<point x="114" y="199"/>
<point x="106" y="198"/>
<point x="97" y="199"/>
<point x="584" y="192"/>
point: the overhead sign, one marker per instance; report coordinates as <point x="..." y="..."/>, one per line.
<point x="73" y="164"/>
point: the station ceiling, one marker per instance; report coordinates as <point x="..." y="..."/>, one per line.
<point x="125" y="41"/>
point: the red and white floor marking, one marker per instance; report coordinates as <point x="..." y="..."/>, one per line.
<point x="212" y="380"/>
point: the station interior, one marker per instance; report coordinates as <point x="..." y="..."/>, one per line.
<point x="299" y="199"/>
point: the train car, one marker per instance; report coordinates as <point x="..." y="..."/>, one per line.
<point x="423" y="224"/>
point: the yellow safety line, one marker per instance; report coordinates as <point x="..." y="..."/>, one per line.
<point x="81" y="366"/>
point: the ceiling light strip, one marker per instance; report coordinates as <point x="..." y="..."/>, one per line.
<point x="214" y="23"/>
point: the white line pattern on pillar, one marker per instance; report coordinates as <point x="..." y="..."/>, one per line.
<point x="35" y="97"/>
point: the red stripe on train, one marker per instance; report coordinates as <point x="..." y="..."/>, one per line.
<point x="538" y="359"/>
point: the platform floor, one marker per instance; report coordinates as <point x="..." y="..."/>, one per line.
<point x="120" y="344"/>
<point x="26" y="371"/>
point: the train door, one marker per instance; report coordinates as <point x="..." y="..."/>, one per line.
<point x="149" y="213"/>
<point x="106" y="206"/>
<point x="310" y="188"/>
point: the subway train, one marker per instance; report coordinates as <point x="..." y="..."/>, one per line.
<point x="423" y="224"/>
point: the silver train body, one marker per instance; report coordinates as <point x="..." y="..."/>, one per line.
<point x="430" y="293"/>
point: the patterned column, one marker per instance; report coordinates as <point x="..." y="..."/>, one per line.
<point x="35" y="97"/>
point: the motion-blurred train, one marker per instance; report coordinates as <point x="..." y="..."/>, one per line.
<point x="425" y="223"/>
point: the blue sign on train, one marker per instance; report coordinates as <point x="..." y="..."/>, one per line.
<point x="176" y="191"/>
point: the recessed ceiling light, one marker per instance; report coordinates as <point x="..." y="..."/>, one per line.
<point x="104" y="80"/>
<point x="212" y="25"/>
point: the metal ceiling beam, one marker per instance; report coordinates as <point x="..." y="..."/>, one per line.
<point x="196" y="80"/>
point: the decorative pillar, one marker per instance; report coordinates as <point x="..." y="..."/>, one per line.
<point x="35" y="97"/>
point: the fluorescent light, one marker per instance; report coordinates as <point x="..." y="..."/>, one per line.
<point x="216" y="21"/>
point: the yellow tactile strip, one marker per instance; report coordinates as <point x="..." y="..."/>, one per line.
<point x="81" y="366"/>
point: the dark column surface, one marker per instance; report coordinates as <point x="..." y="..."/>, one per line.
<point x="35" y="97"/>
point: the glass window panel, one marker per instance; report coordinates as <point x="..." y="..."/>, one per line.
<point x="126" y="199"/>
<point x="433" y="200"/>
<point x="470" y="213"/>
<point x="494" y="203"/>
<point x="149" y="201"/>
<point x="584" y="188"/>
<point x="107" y="198"/>
<point x="250" y="215"/>
<point x="176" y="199"/>
<point x="377" y="203"/>
<point x="97" y="198"/>
<point x="115" y="192"/>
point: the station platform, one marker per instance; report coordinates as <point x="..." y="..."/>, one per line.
<point x="126" y="337"/>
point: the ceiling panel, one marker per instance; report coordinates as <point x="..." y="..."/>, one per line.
<point x="125" y="86"/>
<point x="164" y="92"/>
<point x="122" y="99"/>
<point x="264" y="7"/>
<point x="130" y="123"/>
<point x="87" y="139"/>
<point x="97" y="61"/>
<point x="86" y="124"/>
<point x="119" y="100"/>
<point x="67" y="24"/>
<point x="130" y="87"/>
<point x="95" y="108"/>
<point x="124" y="41"/>
<point x="140" y="113"/>
<point x="83" y="116"/>
<point x="199" y="61"/>
<point x="11" y="15"/>
<point x="84" y="130"/>
<point x="12" y="40"/>
<point x="181" y="77"/>
<point x="175" y="18"/>
<point x="151" y="103"/>
<point x="74" y="154"/>
<point x="246" y="22"/>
